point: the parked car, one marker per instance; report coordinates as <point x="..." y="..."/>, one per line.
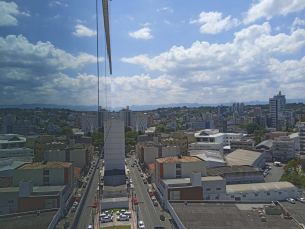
<point x="122" y="218"/>
<point x="77" y="199"/>
<point x="135" y="201"/>
<point x="153" y="198"/>
<point x="132" y="165"/>
<point x="290" y="200"/>
<point x="141" y="175"/>
<point x="155" y="203"/>
<point x="141" y="224"/>
<point x="90" y="227"/>
<point x="149" y="191"/>
<point x="301" y="200"/>
<point x="130" y="181"/>
<point x="131" y="186"/>
<point x="75" y="204"/>
<point x="107" y="219"/>
<point x="103" y="215"/>
<point x="73" y="209"/>
<point x="144" y="181"/>
<point x="94" y="204"/>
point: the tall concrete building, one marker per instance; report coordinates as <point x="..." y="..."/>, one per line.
<point x="302" y="140"/>
<point x="89" y="123"/>
<point x="276" y="109"/>
<point x="114" y="152"/>
<point x="140" y="122"/>
<point x="126" y="115"/>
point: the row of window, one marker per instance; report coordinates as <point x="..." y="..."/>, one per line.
<point x="209" y="189"/>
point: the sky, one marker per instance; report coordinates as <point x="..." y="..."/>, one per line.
<point x="163" y="52"/>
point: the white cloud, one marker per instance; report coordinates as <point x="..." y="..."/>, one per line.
<point x="230" y="71"/>
<point x="32" y="73"/>
<point x="83" y="31"/>
<point x="56" y="16"/>
<point x="269" y="8"/>
<point x="278" y="28"/>
<point x="166" y="21"/>
<point x="141" y="34"/>
<point x="57" y="3"/>
<point x="7" y="10"/>
<point x="145" y="24"/>
<point x="297" y="22"/>
<point x="167" y="9"/>
<point x="80" y="21"/>
<point x="213" y="22"/>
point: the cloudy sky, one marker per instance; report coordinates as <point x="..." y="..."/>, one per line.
<point x="162" y="51"/>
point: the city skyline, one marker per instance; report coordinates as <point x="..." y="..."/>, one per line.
<point x="162" y="52"/>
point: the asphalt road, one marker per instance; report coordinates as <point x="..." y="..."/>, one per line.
<point x="87" y="211"/>
<point x="274" y="174"/>
<point x="297" y="210"/>
<point x="147" y="212"/>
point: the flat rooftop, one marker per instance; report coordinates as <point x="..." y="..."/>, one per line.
<point x="48" y="165"/>
<point x="226" y="215"/>
<point x="27" y="220"/>
<point x="256" y="187"/>
<point x="108" y="188"/>
<point x="220" y="170"/>
<point x="188" y="181"/>
<point x="177" y="159"/>
<point x="242" y="157"/>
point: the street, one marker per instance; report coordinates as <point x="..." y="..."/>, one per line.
<point x="147" y="212"/>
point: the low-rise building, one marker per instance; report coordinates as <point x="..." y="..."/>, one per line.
<point x="205" y="146"/>
<point x="246" y="157"/>
<point x="238" y="174"/>
<point x="283" y="149"/>
<point x="242" y="144"/>
<point x="213" y="158"/>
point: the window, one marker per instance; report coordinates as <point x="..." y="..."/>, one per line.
<point x="208" y="189"/>
<point x="46" y="179"/>
<point x="244" y="195"/>
<point x="218" y="189"/>
<point x="175" y="195"/>
<point x="178" y="166"/>
<point x="232" y="196"/>
<point x="10" y="201"/>
<point x="208" y="198"/>
<point x="280" y="193"/>
<point x="178" y="172"/>
<point x="256" y="194"/>
<point x="268" y="193"/>
<point x="46" y="172"/>
<point x="216" y="197"/>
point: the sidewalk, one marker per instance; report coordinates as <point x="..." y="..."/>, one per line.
<point x="133" y="214"/>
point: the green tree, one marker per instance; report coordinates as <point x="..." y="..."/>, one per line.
<point x="251" y="127"/>
<point x="160" y="129"/>
<point x="66" y="131"/>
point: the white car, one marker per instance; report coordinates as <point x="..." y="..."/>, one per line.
<point x="107" y="219"/>
<point x="90" y="227"/>
<point x="130" y="181"/>
<point x="301" y="200"/>
<point x="122" y="218"/>
<point x="290" y="200"/>
<point x="131" y="186"/>
<point x="141" y="225"/>
<point x="153" y="198"/>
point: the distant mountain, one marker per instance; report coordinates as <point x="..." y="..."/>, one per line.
<point x="137" y="107"/>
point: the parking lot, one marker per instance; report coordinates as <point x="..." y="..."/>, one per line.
<point x="274" y="174"/>
<point x="115" y="221"/>
<point x="297" y="210"/>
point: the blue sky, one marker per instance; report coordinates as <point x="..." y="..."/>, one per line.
<point x="162" y="51"/>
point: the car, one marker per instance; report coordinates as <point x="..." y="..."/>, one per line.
<point x="79" y="195"/>
<point x="75" y="204"/>
<point x="141" y="224"/>
<point x="291" y="200"/>
<point x="141" y="175"/>
<point x="151" y="194"/>
<point x="94" y="204"/>
<point x="130" y="181"/>
<point x="301" y="200"/>
<point x="155" y="203"/>
<point x="90" y="171"/>
<point x="107" y="219"/>
<point x="127" y="170"/>
<point x="73" y="209"/>
<point x="153" y="198"/>
<point x="122" y="210"/>
<point x="97" y="167"/>
<point x="108" y="212"/>
<point x="87" y="178"/>
<point x="103" y="215"/>
<point x="135" y="201"/>
<point x="131" y="186"/>
<point x="122" y="218"/>
<point x="132" y="165"/>
<point x="77" y="199"/>
<point x="90" y="227"/>
<point x="144" y="181"/>
<point x="149" y="191"/>
<point x="128" y="214"/>
<point x="139" y="169"/>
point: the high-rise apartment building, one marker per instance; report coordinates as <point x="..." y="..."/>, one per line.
<point x="302" y="140"/>
<point x="89" y="123"/>
<point x="276" y="109"/>
<point x="126" y="115"/>
<point x="140" y="122"/>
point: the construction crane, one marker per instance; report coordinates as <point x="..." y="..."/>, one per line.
<point x="107" y="31"/>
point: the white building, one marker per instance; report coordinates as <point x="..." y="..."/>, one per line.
<point x="212" y="158"/>
<point x="205" y="146"/>
<point x="140" y="122"/>
<point x="12" y="145"/>
<point x="283" y="149"/>
<point x="213" y="135"/>
<point x="114" y="148"/>
<point x="276" y="109"/>
<point x="302" y="140"/>
<point x="127" y="116"/>
<point x="89" y="123"/>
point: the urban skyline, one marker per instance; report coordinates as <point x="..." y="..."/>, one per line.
<point x="162" y="53"/>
